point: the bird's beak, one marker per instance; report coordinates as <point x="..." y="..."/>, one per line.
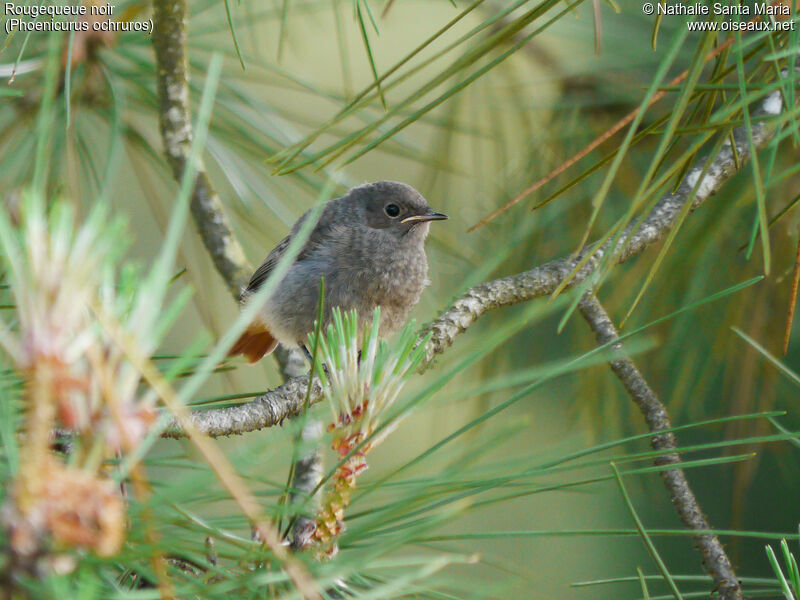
<point x="428" y="216"/>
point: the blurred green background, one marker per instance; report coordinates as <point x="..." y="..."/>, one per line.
<point x="468" y="156"/>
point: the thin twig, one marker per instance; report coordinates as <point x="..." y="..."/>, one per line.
<point x="287" y="400"/>
<point x="715" y="560"/>
<point x="169" y="41"/>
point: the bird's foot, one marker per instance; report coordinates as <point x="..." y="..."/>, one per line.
<point x="310" y="360"/>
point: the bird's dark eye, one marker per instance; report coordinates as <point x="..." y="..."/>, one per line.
<point x="391" y="210"/>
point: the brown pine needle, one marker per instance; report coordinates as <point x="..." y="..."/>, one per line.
<point x="792" y="301"/>
<point x="613" y="130"/>
<point x="602" y="137"/>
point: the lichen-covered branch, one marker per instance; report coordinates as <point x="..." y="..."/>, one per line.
<point x="307" y="465"/>
<point x="305" y="480"/>
<point x="169" y="41"/>
<point x="287" y="400"/>
<point x="715" y="560"/>
<point x="268" y="410"/>
<point x="543" y="280"/>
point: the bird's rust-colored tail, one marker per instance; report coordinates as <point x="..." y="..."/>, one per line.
<point x="254" y="343"/>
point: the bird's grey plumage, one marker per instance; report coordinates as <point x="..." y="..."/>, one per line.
<point x="368" y="255"/>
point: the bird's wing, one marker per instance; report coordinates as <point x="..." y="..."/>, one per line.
<point x="262" y="272"/>
<point x="257" y="340"/>
<point x="318" y="234"/>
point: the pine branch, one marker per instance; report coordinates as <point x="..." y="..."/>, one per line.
<point x="169" y="41"/>
<point x="715" y="560"/>
<point x="287" y="400"/>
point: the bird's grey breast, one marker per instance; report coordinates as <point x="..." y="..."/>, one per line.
<point x="363" y="268"/>
<point x="375" y="268"/>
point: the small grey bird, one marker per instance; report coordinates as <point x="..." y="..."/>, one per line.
<point x="369" y="245"/>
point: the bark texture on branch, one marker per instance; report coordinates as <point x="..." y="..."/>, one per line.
<point x="543" y="280"/>
<point x="715" y="560"/>
<point x="273" y="408"/>
<point x="307" y="465"/>
<point x="306" y="477"/>
<point x="169" y="41"/>
<point x="287" y="400"/>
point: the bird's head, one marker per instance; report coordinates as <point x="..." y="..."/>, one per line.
<point x="395" y="207"/>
